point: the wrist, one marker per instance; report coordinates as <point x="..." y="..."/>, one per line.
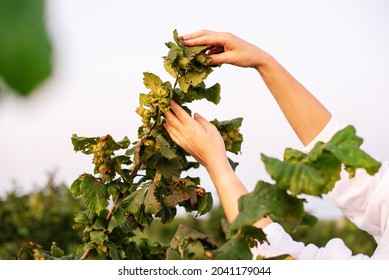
<point x="265" y="60"/>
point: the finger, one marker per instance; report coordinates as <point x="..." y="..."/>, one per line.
<point x="204" y="38"/>
<point x="201" y="120"/>
<point x="180" y="113"/>
<point x="220" y="58"/>
<point x="196" y="34"/>
<point x="172" y="132"/>
<point x="172" y="120"/>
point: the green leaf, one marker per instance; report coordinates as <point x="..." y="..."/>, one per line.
<point x="194" y="51"/>
<point x="117" y="218"/>
<point x="179" y="195"/>
<point x="234" y="249"/>
<point x="167" y="214"/>
<point x="97" y="237"/>
<point x="267" y="199"/>
<point x="113" y="252"/>
<point x="169" y="168"/>
<point x="164" y="147"/>
<point x="191" y="78"/>
<point x="25" y="47"/>
<point x="329" y="167"/>
<point x="84" y="144"/>
<point x="75" y="187"/>
<point x="94" y="193"/>
<point x="293" y="156"/>
<point x="151" y="81"/>
<point x="185" y="236"/>
<point x="56" y="251"/>
<point x="174" y="53"/>
<point x="345" y="146"/>
<point x="204" y="203"/>
<point x="133" y="252"/>
<point x="353" y="157"/>
<point x="212" y="94"/>
<point x="296" y="177"/>
<point x="136" y="199"/>
<point x="152" y="205"/>
<point x="85" y="217"/>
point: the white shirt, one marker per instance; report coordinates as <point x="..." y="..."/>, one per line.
<point x="364" y="199"/>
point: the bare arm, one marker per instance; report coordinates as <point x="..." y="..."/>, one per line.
<point x="306" y="115"/>
<point x="201" y="139"/>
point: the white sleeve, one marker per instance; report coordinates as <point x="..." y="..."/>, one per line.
<point x="364" y="199"/>
<point x="281" y="243"/>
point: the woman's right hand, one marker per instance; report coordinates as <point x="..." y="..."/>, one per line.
<point x="224" y="47"/>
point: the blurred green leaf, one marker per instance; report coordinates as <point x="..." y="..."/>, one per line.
<point x="297" y="177"/>
<point x="267" y="199"/>
<point x="234" y="249"/>
<point x="25" y="47"/>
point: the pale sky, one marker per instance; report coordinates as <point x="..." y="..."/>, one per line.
<point x="337" y="49"/>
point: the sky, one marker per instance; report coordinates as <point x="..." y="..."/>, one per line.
<point x="337" y="49"/>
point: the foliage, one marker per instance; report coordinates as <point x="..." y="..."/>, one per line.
<point x="25" y="47"/>
<point x="143" y="179"/>
<point x="38" y="217"/>
<point x="313" y="174"/>
<point x="135" y="183"/>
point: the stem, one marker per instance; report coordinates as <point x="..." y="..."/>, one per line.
<point x="119" y="196"/>
<point x="85" y="255"/>
<point x="114" y="205"/>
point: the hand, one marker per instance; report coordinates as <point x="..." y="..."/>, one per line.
<point x="227" y="48"/>
<point x="195" y="135"/>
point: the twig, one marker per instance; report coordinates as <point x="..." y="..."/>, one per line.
<point x="119" y="196"/>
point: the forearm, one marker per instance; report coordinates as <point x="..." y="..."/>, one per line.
<point x="230" y="189"/>
<point x="306" y="115"/>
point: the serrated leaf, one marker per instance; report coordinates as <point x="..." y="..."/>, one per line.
<point x="345" y="146"/>
<point x="353" y="157"/>
<point x="329" y="167"/>
<point x="117" y="218"/>
<point x="193" y="51"/>
<point x="174" y="53"/>
<point x="136" y="200"/>
<point x="152" y="205"/>
<point x="97" y="237"/>
<point x="234" y="249"/>
<point x="169" y="168"/>
<point x="124" y="143"/>
<point x="168" y="67"/>
<point x="212" y="94"/>
<point x="132" y="251"/>
<point x="56" y="251"/>
<point x="151" y="81"/>
<point x="167" y="214"/>
<point x="113" y="252"/>
<point x="292" y="155"/>
<point x="228" y="125"/>
<point x="191" y="78"/>
<point x="296" y="177"/>
<point x="179" y="195"/>
<point x="94" y="193"/>
<point x="75" y="187"/>
<point x="186" y="235"/>
<point x="204" y="203"/>
<point x="83" y="144"/>
<point x="267" y="199"/>
<point x="165" y="149"/>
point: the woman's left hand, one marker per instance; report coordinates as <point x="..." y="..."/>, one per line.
<point x="195" y="135"/>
